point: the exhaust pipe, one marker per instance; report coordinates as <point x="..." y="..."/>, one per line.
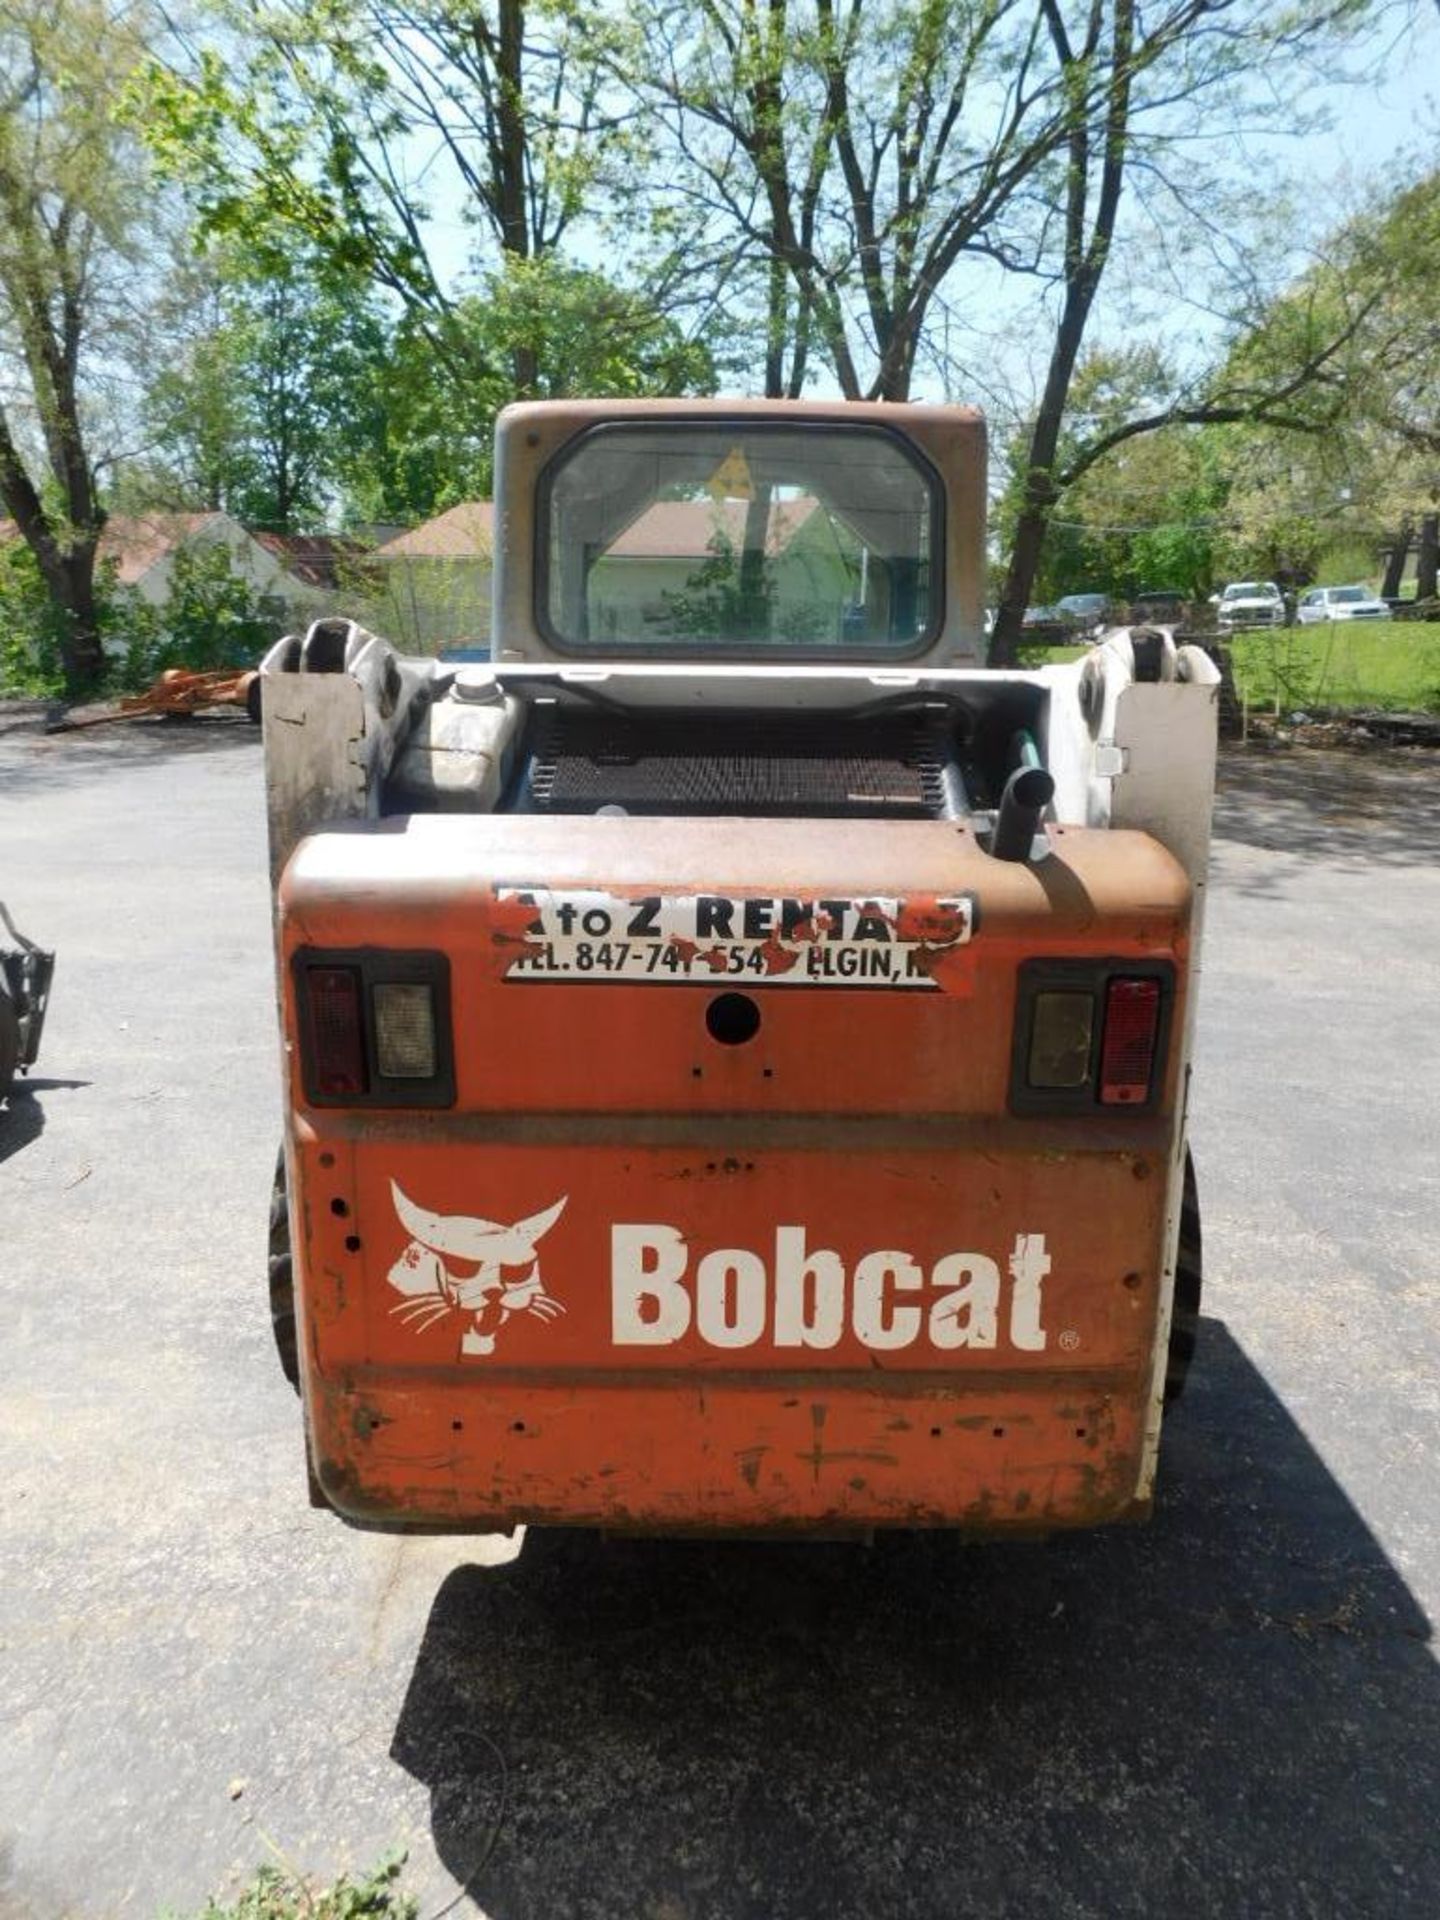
<point x="1028" y="792"/>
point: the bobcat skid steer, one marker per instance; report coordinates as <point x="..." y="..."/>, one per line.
<point x="736" y="1047"/>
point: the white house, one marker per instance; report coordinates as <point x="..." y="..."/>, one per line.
<point x="142" y="547"/>
<point x="431" y="586"/>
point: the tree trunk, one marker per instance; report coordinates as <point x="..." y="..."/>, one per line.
<point x="510" y="114"/>
<point x="775" y="329"/>
<point x="1395" y="561"/>
<point x="69" y="575"/>
<point x="1086" y="255"/>
<point x="1025" y="551"/>
<point x="1040" y="490"/>
<point x="525" y="372"/>
<point x="66" y="563"/>
<point x="82" y="653"/>
<point x="1427" y="557"/>
<point x="512" y="201"/>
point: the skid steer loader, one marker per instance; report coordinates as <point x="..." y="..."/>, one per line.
<point x="736" y="1048"/>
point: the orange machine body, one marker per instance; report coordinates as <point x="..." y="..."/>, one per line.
<point x="642" y="1270"/>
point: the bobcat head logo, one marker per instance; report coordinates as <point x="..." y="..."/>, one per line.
<point x="476" y="1267"/>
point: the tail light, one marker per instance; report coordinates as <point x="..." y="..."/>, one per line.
<point x="1127" y="1054"/>
<point x="374" y="1028"/>
<point x="336" y="1032"/>
<point x="1090" y="1034"/>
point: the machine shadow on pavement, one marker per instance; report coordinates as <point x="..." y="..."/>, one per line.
<point x="1232" y="1711"/>
<point x="22" y="1115"/>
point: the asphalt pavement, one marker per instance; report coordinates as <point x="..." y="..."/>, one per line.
<point x="1234" y="1711"/>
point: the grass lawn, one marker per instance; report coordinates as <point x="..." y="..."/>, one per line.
<point x="1341" y="664"/>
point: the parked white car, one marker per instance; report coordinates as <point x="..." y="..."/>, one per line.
<point x="1339" y="603"/>
<point x="1250" y="603"/>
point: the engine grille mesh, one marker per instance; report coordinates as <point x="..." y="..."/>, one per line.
<point x="695" y="763"/>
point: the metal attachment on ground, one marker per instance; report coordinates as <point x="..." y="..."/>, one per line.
<point x="25" y="974"/>
<point x="180" y="691"/>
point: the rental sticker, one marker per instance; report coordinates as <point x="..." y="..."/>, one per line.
<point x="758" y="939"/>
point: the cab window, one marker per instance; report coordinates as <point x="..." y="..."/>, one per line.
<point x="742" y="538"/>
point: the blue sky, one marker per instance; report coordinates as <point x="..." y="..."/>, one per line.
<point x="1394" y="112"/>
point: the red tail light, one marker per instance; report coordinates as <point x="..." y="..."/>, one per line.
<point x="1127" y="1054"/>
<point x="336" y="1033"/>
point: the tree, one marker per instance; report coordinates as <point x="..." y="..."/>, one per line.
<point x="857" y="183"/>
<point x="850" y="158"/>
<point x="297" y="396"/>
<point x="73" y="208"/>
<point x="1391" y="445"/>
<point x="858" y="169"/>
<point x="312" y="138"/>
<point x="273" y="396"/>
<point x="1186" y="60"/>
<point x="193" y="402"/>
<point x="1154" y="514"/>
<point x="583" y="335"/>
<point x="1324" y="425"/>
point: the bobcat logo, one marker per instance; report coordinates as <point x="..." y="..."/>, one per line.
<point x="457" y="1264"/>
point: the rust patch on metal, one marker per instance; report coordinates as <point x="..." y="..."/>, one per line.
<point x="514" y="922"/>
<point x="816" y="1456"/>
<point x="776" y="957"/>
<point x="929" y="924"/>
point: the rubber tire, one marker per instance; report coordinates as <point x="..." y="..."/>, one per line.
<point x="9" y="1040"/>
<point x="1185" y="1314"/>
<point x="282" y="1277"/>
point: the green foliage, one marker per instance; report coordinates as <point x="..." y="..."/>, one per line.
<point x="1318" y="484"/>
<point x="432" y="414"/>
<point x="729" y="595"/>
<point x="276" y="395"/>
<point x="1151" y="515"/>
<point x="423" y="429"/>
<point x="30" y="626"/>
<point x="588" y="335"/>
<point x="1345" y="560"/>
<point x="300" y="391"/>
<point x="277" y="1895"/>
<point x="211" y="618"/>
<point x="301" y="137"/>
<point x="213" y="615"/>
